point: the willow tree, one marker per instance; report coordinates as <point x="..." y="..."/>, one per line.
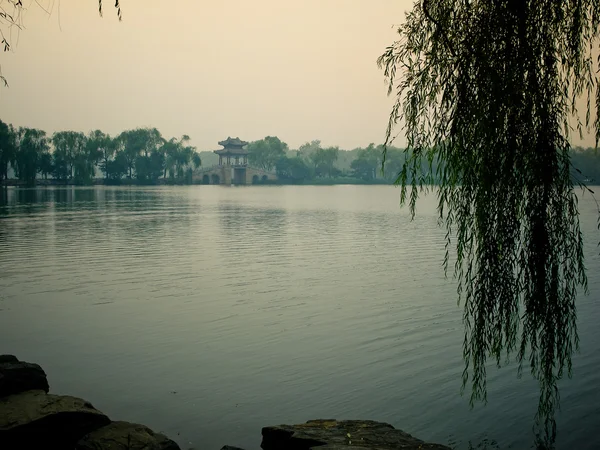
<point x="490" y="89"/>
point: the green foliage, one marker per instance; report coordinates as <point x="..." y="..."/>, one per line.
<point x="32" y="145"/>
<point x="116" y="168"/>
<point x="130" y="144"/>
<point x="148" y="169"/>
<point x="265" y="153"/>
<point x="140" y="153"/>
<point x="102" y="146"/>
<point x="307" y="149"/>
<point x="293" y="170"/>
<point x="367" y="163"/>
<point x="487" y="89"/>
<point x="8" y="149"/>
<point x="46" y="166"/>
<point x="70" y="156"/>
<point x="178" y="157"/>
<point x="323" y="160"/>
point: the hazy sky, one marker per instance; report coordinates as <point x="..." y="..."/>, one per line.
<point x="297" y="69"/>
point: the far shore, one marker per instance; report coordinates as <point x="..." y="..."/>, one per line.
<point x="166" y="182"/>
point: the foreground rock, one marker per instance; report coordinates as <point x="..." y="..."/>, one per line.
<point x="125" y="436"/>
<point x="31" y="418"/>
<point x="34" y="417"/>
<point x="18" y="376"/>
<point x="346" y="434"/>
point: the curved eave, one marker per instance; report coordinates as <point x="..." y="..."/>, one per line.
<point x="231" y="151"/>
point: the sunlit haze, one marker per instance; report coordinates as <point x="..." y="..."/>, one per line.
<point x="300" y="70"/>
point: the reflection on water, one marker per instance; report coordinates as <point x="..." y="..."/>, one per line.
<point x="261" y="305"/>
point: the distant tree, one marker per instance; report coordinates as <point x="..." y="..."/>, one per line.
<point x="586" y="165"/>
<point x="32" y="145"/>
<point x="103" y="146"/>
<point x="131" y="144"/>
<point x="70" y="153"/>
<point x="265" y="153"/>
<point x="196" y="160"/>
<point x="116" y="168"/>
<point x="324" y="160"/>
<point x="148" y="169"/>
<point x="368" y="163"/>
<point x="307" y="149"/>
<point x="394" y="160"/>
<point x="46" y="165"/>
<point x="179" y="156"/>
<point x="8" y="148"/>
<point x="152" y="140"/>
<point x="292" y="170"/>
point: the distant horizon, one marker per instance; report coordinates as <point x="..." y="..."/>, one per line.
<point x="266" y="68"/>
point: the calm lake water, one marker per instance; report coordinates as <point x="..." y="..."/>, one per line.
<point x="208" y="312"/>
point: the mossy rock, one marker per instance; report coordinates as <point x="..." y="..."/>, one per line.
<point x="337" y="434"/>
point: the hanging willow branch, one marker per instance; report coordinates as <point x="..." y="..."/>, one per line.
<point x="11" y="20"/>
<point x="117" y="7"/>
<point x="487" y="89"/>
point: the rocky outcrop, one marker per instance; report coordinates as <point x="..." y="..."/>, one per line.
<point x="17" y="376"/>
<point x="32" y="418"/>
<point x="346" y="434"/>
<point x="125" y="436"/>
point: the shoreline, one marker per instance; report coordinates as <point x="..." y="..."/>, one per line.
<point x="31" y="417"/>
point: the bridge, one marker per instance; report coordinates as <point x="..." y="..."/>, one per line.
<point x="232" y="174"/>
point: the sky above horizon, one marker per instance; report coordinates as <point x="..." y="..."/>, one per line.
<point x="297" y="69"/>
<point x="300" y="70"/>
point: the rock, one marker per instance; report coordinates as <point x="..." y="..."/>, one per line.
<point x="229" y="447"/>
<point x="8" y="358"/>
<point x="34" y="418"/>
<point x="18" y="376"/>
<point x="125" y="436"/>
<point x="346" y="434"/>
<point x="165" y="443"/>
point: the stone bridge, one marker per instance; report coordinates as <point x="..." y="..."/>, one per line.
<point x="232" y="174"/>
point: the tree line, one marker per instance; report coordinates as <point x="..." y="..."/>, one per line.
<point x="313" y="163"/>
<point x="141" y="154"/>
<point x="144" y="156"/>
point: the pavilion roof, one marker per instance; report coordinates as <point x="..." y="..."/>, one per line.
<point x="233" y="142"/>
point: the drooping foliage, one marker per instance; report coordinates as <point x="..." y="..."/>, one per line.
<point x="488" y="89"/>
<point x="11" y="22"/>
<point x="117" y="7"/>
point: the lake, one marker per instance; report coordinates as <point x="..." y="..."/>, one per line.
<point x="208" y="312"/>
